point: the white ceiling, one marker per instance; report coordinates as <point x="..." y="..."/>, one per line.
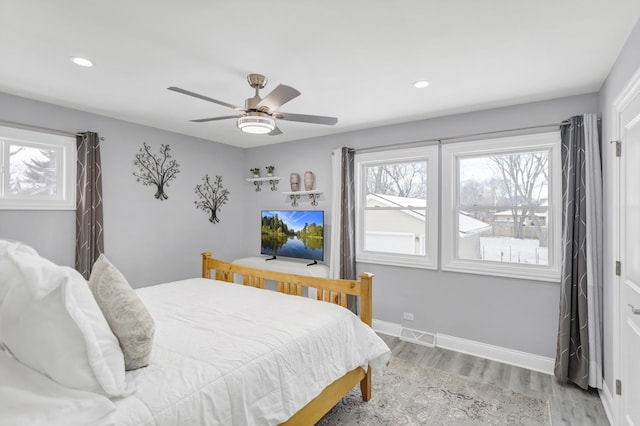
<point x="352" y="59"/>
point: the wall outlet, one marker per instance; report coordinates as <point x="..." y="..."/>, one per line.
<point x="407" y="316"/>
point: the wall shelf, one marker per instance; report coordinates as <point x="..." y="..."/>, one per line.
<point x="297" y="195"/>
<point x="273" y="180"/>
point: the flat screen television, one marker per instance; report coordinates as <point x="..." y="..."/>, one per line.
<point x="293" y="233"/>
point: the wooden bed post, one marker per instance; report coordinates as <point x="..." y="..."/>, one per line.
<point x="366" y="301"/>
<point x="206" y="271"/>
<point x="365" y="386"/>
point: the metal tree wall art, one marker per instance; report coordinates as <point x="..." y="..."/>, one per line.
<point x="156" y="170"/>
<point x="212" y="197"/>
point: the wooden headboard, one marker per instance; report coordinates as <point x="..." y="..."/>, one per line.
<point x="329" y="290"/>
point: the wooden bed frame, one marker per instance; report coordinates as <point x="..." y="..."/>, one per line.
<point x="329" y="290"/>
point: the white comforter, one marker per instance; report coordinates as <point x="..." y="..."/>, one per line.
<point x="226" y="354"/>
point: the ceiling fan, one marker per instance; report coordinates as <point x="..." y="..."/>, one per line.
<point x="259" y="115"/>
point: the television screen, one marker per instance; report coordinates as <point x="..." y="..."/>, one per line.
<point x="293" y="233"/>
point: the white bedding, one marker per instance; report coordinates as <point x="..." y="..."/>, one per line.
<point x="226" y="354"/>
<point x="28" y="398"/>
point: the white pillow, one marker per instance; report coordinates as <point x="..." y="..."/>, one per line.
<point x="29" y="398"/>
<point x="4" y="267"/>
<point x="50" y="321"/>
<point x="5" y="261"/>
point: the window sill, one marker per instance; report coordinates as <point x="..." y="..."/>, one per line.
<point x="496" y="269"/>
<point x="405" y="261"/>
<point x="31" y="205"/>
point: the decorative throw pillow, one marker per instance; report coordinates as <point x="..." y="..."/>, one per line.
<point x="50" y="322"/>
<point x="126" y="314"/>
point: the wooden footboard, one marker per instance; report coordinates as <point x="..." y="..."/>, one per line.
<point x="329" y="290"/>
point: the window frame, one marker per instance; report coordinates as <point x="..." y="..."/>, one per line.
<point x="65" y="198"/>
<point x="450" y="190"/>
<point x="361" y="161"/>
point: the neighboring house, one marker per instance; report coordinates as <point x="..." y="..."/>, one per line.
<point x="403" y="231"/>
<point x="469" y="232"/>
<point x="539" y="218"/>
<point x="535" y="227"/>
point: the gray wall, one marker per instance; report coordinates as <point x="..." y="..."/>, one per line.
<point x="153" y="241"/>
<point x="150" y="241"/>
<point x="627" y="64"/>
<point x="512" y="313"/>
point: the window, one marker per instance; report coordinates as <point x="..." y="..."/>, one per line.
<point x="396" y="205"/>
<point x="37" y="170"/>
<point x="506" y="193"/>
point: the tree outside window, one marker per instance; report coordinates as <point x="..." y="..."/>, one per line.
<point x="397" y="207"/>
<point x="37" y="170"/>
<point x="33" y="171"/>
<point x="510" y="194"/>
<point x="507" y="196"/>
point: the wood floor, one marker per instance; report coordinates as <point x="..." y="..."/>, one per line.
<point x="569" y="404"/>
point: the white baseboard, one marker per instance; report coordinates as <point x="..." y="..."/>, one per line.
<point x="607" y="402"/>
<point x="497" y="353"/>
<point x="389" y="328"/>
<point x="483" y="350"/>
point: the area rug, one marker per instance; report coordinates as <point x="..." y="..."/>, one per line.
<point x="409" y="394"/>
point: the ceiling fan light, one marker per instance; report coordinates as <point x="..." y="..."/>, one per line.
<point x="256" y="125"/>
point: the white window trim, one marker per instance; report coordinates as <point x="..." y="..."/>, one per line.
<point x="67" y="163"/>
<point x="428" y="261"/>
<point x="449" y="190"/>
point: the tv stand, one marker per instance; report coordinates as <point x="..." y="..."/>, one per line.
<point x="314" y="269"/>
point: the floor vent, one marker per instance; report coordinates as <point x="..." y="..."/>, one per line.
<point x="418" y="337"/>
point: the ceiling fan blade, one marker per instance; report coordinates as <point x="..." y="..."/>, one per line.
<point x="275" y="132"/>
<point x="278" y="97"/>
<point x="202" y="120"/>
<point x="316" y="119"/>
<point x="206" y="98"/>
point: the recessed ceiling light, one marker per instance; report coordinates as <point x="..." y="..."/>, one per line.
<point x="83" y="62"/>
<point x="421" y="84"/>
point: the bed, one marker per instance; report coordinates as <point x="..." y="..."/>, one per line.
<point x="230" y="354"/>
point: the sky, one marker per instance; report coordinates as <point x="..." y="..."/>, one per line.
<point x="295" y="219"/>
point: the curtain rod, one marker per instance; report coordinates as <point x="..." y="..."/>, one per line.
<point x="469" y="135"/>
<point x="39" y="128"/>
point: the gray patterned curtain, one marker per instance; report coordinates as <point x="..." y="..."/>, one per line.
<point x="89" y="228"/>
<point x="579" y="344"/>
<point x="343" y="241"/>
<point x="348" y="216"/>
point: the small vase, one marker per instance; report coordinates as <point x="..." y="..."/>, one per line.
<point x="309" y="179"/>
<point x="294" y="180"/>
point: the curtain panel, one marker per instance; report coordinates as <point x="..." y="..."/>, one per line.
<point x="89" y="219"/>
<point x="579" y="343"/>
<point x="342" y="263"/>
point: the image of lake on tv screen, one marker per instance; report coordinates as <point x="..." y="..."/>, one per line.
<point x="290" y="233"/>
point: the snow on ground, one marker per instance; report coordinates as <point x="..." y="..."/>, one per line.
<point x="513" y="250"/>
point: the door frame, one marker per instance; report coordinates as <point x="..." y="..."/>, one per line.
<point x="630" y="91"/>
